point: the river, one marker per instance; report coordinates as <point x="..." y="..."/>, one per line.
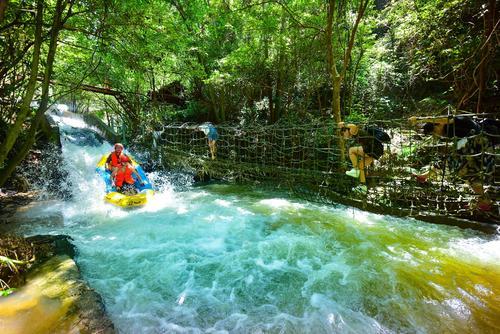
<point x="223" y="258"/>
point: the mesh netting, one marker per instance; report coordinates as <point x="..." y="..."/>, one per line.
<point x="417" y="175"/>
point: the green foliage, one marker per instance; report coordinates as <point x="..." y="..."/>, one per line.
<point x="5" y="293"/>
<point x="356" y="117"/>
<point x="261" y="61"/>
<point x="425" y="55"/>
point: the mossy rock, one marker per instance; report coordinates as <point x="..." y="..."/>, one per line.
<point x="54" y="300"/>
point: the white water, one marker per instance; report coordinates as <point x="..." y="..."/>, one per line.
<point x="230" y="259"/>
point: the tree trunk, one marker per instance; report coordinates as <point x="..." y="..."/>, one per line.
<point x="3" y="8"/>
<point x="335" y="79"/>
<point x="336" y="82"/>
<point x="56" y="28"/>
<point x="222" y="105"/>
<point x="489" y="24"/>
<point x="15" y="129"/>
<point x="352" y="84"/>
<point x="332" y="68"/>
<point x="279" y="87"/>
<point x="279" y="80"/>
<point x="213" y="103"/>
<point x="269" y="93"/>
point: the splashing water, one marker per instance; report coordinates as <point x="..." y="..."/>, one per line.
<point x="222" y="258"/>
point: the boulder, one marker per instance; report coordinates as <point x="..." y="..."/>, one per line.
<point x="55" y="298"/>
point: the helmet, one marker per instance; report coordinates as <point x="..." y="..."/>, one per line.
<point x="124" y="158"/>
<point x="118" y="145"/>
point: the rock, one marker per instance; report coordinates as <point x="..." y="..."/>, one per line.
<point x="54" y="300"/>
<point x="50" y="245"/>
<point x="55" y="292"/>
<point x="18" y="183"/>
<point x="11" y="202"/>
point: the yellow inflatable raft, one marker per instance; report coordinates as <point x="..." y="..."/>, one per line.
<point x="145" y="191"/>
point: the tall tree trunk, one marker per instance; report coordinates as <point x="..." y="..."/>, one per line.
<point x="334" y="77"/>
<point x="223" y="105"/>
<point x="268" y="79"/>
<point x="213" y="103"/>
<point x="3" y="8"/>
<point x="489" y="24"/>
<point x="336" y="83"/>
<point x="15" y="129"/>
<point x="279" y="87"/>
<point x="40" y="113"/>
<point x="280" y="75"/>
<point x="352" y="83"/>
<point x="198" y="82"/>
<point x="269" y="93"/>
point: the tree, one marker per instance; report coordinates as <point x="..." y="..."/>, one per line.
<point x="14" y="130"/>
<point x="337" y="13"/>
<point x="57" y="23"/>
<point x="441" y="51"/>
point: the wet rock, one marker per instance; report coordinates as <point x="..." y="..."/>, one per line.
<point x="54" y="300"/>
<point x="47" y="246"/>
<point x="18" y="183"/>
<point x="53" y="291"/>
<point x="10" y="201"/>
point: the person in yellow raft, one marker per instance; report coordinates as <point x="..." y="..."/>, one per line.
<point x="113" y="161"/>
<point x="124" y="181"/>
<point x="370" y="147"/>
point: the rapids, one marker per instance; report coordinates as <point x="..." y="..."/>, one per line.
<point x="237" y="259"/>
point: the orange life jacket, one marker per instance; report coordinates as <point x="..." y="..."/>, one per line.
<point x="124" y="175"/>
<point x="114" y="160"/>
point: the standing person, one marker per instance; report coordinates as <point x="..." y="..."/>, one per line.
<point x="211" y="132"/>
<point x="113" y="161"/>
<point x="124" y="181"/>
<point x="370" y="148"/>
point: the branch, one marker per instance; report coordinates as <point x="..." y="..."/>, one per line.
<point x="17" y="60"/>
<point x="88" y="88"/>
<point x="74" y="45"/>
<point x="83" y="31"/>
<point x="252" y="5"/>
<point x="292" y="16"/>
<point x="493" y="32"/>
<point x="288" y="10"/>
<point x="347" y="56"/>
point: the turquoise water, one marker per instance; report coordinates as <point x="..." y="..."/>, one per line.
<point x="235" y="259"/>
